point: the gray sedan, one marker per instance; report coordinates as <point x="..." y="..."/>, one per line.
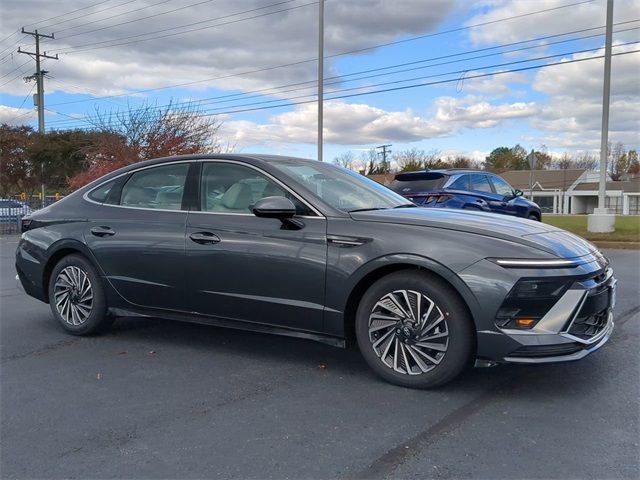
<point x="301" y="248"/>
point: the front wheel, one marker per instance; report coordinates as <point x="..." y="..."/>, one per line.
<point x="76" y="296"/>
<point x="534" y="217"/>
<point x="414" y="330"/>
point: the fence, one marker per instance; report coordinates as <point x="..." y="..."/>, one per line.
<point x="13" y="209"/>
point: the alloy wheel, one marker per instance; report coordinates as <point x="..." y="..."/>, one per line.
<point x="408" y="332"/>
<point x="73" y="295"/>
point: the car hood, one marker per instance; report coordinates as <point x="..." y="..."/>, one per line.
<point x="530" y="233"/>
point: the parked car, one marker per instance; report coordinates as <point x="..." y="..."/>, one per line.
<point x="306" y="249"/>
<point x="13" y="209"/>
<point x="466" y="189"/>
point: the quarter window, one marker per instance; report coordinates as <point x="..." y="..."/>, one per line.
<point x="461" y="183"/>
<point x="101" y="193"/>
<point x="480" y="183"/>
<point x="158" y="187"/>
<point x="231" y="188"/>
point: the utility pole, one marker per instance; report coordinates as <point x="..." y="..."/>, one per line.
<point x="601" y="220"/>
<point x="384" y="150"/>
<point x="320" y="77"/>
<point x="39" y="78"/>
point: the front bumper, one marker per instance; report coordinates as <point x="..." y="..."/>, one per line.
<point x="579" y="323"/>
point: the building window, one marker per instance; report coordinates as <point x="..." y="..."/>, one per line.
<point x="614" y="204"/>
<point x="545" y="203"/>
<point x="634" y="205"/>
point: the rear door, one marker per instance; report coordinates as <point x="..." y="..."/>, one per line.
<point x="138" y="237"/>
<point x="484" y="196"/>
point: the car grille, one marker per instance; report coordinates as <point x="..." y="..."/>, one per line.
<point x="590" y="326"/>
<point x="592" y="318"/>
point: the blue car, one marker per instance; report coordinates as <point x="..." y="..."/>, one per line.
<point x="466" y="189"/>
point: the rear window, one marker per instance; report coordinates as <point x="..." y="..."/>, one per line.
<point x="412" y="183"/>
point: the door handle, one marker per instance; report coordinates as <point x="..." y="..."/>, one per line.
<point x="102" y="231"/>
<point x="204" y="238"/>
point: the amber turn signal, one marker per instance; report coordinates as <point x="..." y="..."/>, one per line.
<point x="525" y="322"/>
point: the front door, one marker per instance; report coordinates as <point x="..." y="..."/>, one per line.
<point x="139" y="239"/>
<point x="242" y="267"/>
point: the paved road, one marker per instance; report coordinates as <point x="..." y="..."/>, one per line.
<point x="155" y="399"/>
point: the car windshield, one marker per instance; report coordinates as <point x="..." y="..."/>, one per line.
<point x="343" y="189"/>
<point x="411" y="183"/>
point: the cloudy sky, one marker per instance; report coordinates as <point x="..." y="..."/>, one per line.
<point x="430" y="74"/>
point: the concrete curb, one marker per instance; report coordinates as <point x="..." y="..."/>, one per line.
<point x="616" y="245"/>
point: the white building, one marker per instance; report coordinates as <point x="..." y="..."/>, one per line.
<point x="575" y="191"/>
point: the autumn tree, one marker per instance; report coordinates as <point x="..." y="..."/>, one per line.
<point x="146" y="132"/>
<point x="16" y="170"/>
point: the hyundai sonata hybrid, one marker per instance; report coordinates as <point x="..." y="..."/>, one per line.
<point x="306" y="249"/>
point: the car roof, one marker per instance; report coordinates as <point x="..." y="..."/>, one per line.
<point x="443" y="171"/>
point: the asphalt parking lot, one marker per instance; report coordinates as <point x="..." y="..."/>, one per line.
<point x="156" y="399"/>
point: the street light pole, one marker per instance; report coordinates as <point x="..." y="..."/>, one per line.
<point x="601" y="220"/>
<point x="320" y="77"/>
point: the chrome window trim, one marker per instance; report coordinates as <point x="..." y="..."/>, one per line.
<point x="85" y="196"/>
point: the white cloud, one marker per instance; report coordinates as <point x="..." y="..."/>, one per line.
<point x="572" y="116"/>
<point x="360" y="124"/>
<point x="214" y="51"/>
<point x="576" y="17"/>
<point x="16" y="116"/>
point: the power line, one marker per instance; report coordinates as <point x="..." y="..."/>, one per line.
<point x="311" y="83"/>
<point x="444" y="32"/>
<point x="299" y="62"/>
<point x="287" y="103"/>
<point x="82" y="47"/>
<point x="129" y="21"/>
<point x="17" y="68"/>
<point x="19" y="115"/>
<point x="88" y="14"/>
<point x="338" y="78"/>
<point x="68" y="13"/>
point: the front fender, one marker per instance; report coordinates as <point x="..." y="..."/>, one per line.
<point x="338" y="299"/>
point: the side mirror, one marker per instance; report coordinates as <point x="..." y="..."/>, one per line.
<point x="517" y="193"/>
<point x="274" y="207"/>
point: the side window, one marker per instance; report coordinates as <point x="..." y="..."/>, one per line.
<point x="158" y="187"/>
<point x="480" y="183"/>
<point x="231" y="188"/>
<point x="101" y="193"/>
<point x="461" y="183"/>
<point x="502" y="187"/>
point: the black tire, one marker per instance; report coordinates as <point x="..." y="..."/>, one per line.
<point x="97" y="320"/>
<point x="460" y="346"/>
<point x="534" y="217"/>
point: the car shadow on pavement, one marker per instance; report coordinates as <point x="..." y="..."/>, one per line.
<point x="538" y="381"/>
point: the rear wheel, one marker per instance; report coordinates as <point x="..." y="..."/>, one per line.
<point x="76" y="296"/>
<point x="413" y="330"/>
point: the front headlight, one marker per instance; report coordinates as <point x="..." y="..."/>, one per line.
<point x="534" y="263"/>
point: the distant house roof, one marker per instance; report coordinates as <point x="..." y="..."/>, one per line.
<point x="547" y="179"/>
<point x="632" y="186"/>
